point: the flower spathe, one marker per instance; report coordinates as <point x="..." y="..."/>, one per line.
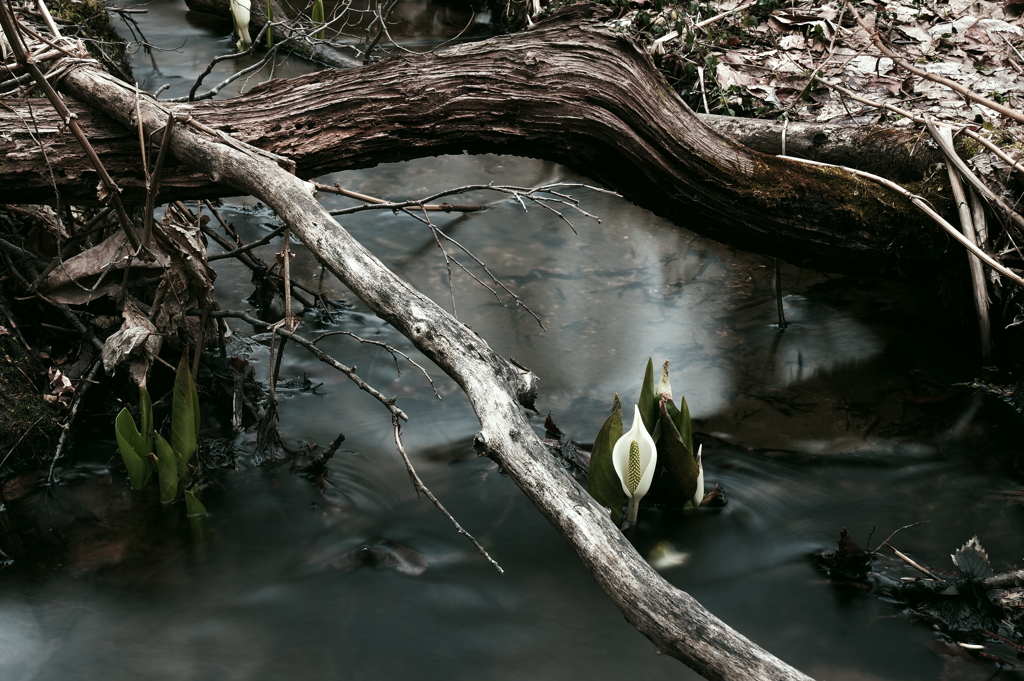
<point x="634" y="457"/>
<point x="240" y="13"/>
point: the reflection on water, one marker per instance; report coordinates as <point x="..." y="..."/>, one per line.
<point x="836" y="421"/>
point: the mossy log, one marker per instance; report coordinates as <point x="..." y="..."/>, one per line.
<point x="570" y="90"/>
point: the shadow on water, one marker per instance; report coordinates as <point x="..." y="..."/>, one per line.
<point x="847" y="418"/>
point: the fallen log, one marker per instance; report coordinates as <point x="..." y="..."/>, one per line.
<point x="570" y="91"/>
<point x="24" y="177"/>
<point x="496" y="388"/>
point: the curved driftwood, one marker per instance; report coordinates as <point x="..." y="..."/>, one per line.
<point x="571" y="91"/>
<point x="672" y="619"/>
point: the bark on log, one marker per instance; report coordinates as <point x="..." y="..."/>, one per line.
<point x="672" y="619"/>
<point x="571" y="91"/>
<point x="897" y="155"/>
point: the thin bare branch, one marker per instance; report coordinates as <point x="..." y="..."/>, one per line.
<point x="420" y="487"/>
<point x="996" y="202"/>
<point x="393" y="351"/>
<point x="928" y="210"/>
<point x="248" y="247"/>
<point x="388" y="402"/>
<point x="446" y="207"/>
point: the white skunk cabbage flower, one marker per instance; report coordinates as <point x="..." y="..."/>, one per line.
<point x="698" y="496"/>
<point x="240" y="15"/>
<point x="634" y="457"/>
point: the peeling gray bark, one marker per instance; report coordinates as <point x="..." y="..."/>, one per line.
<point x="670" y="618"/>
<point x="569" y="90"/>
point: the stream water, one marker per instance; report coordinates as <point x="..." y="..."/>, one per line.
<point x="848" y="418"/>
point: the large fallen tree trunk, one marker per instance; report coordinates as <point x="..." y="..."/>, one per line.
<point x="571" y="91"/>
<point x="496" y="388"/>
<point x="25" y="174"/>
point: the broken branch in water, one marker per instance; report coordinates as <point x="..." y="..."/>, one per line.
<point x="420" y="487"/>
<point x="910" y="561"/>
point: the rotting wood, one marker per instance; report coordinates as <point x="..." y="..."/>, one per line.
<point x="497" y="389"/>
<point x="571" y="91"/>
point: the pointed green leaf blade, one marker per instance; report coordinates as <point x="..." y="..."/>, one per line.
<point x="196" y="418"/>
<point x="684" y="425"/>
<point x="183" y="416"/>
<point x="681" y="419"/>
<point x="679" y="462"/>
<point x="648" y="402"/>
<point x="193" y="507"/>
<point x="603" y="483"/>
<point x="146" y="414"/>
<point x="167" y="468"/>
<point x="317" y="16"/>
<point x="127" y="439"/>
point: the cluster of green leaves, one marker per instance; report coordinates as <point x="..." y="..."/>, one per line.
<point x="145" y="450"/>
<point x="676" y="472"/>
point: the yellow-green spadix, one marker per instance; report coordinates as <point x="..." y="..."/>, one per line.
<point x="634" y="458"/>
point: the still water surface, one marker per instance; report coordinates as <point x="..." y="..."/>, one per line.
<point x="811" y="429"/>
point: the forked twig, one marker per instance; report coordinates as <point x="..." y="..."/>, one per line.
<point x="388" y="402"/>
<point x="394" y="352"/>
<point x="248" y="247"/>
<point x="446" y="207"/>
